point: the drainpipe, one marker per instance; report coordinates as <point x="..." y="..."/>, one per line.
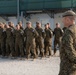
<point x="18" y="13"/>
<point x="22" y="17"/>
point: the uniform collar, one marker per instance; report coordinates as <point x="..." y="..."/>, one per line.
<point x="70" y="25"/>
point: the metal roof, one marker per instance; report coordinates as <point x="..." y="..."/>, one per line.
<point x="10" y="6"/>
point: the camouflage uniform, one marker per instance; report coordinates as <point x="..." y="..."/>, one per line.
<point x="10" y="42"/>
<point x="2" y="41"/>
<point x="30" y="35"/>
<point x="19" y="42"/>
<point x="64" y="29"/>
<point x="39" y="41"/>
<point x="50" y="29"/>
<point x="68" y="52"/>
<point x="68" y="46"/>
<point x="25" y="39"/>
<point x="57" y="39"/>
<point x="20" y="24"/>
<point x="21" y="27"/>
<point x="48" y="41"/>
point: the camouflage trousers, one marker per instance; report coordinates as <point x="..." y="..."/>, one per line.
<point x="56" y="42"/>
<point x="40" y="47"/>
<point x="30" y="48"/>
<point x="2" y="47"/>
<point x="48" y="48"/>
<point x="10" y="47"/>
<point x="19" y="48"/>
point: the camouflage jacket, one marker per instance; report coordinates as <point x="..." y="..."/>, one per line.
<point x="41" y="33"/>
<point x="10" y="33"/>
<point x="2" y="34"/>
<point x="19" y="34"/>
<point x="30" y="34"/>
<point x="49" y="35"/>
<point x="68" y="52"/>
<point x="58" y="33"/>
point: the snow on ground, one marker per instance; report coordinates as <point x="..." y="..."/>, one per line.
<point x="45" y="66"/>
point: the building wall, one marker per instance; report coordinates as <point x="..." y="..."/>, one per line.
<point x="2" y="20"/>
<point x="58" y="18"/>
<point x="43" y="18"/>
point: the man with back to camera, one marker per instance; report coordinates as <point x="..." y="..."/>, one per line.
<point x="68" y="45"/>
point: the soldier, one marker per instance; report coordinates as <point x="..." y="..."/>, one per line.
<point x="10" y="41"/>
<point x="0" y="47"/>
<point x="30" y="35"/>
<point x="25" y="40"/>
<point x="68" y="45"/>
<point x="2" y="39"/>
<point x="48" y="40"/>
<point x="49" y="26"/>
<point x="39" y="39"/>
<point x="19" y="41"/>
<point x="5" y="25"/>
<point x="57" y="37"/>
<point x="11" y="24"/>
<point x="20" y="24"/>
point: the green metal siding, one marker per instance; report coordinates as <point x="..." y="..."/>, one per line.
<point x="31" y="4"/>
<point x="10" y="6"/>
<point x="66" y="4"/>
<point x="46" y="4"/>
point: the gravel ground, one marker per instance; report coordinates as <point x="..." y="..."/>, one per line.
<point x="45" y="66"/>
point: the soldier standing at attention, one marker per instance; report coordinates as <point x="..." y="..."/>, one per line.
<point x="48" y="40"/>
<point x="11" y="25"/>
<point x="30" y="34"/>
<point x="57" y="37"/>
<point x="20" y="24"/>
<point x="10" y="51"/>
<point x="68" y="45"/>
<point x="39" y="39"/>
<point x="49" y="26"/>
<point x="19" y="41"/>
<point x="2" y="40"/>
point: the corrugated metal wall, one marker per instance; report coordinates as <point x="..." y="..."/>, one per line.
<point x="10" y="6"/>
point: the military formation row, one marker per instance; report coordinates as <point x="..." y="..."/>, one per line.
<point x="15" y="41"/>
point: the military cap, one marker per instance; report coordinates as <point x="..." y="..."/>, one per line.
<point x="48" y="23"/>
<point x="28" y="22"/>
<point x="69" y="13"/>
<point x="19" y="22"/>
<point x="38" y="22"/>
<point x="58" y="23"/>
